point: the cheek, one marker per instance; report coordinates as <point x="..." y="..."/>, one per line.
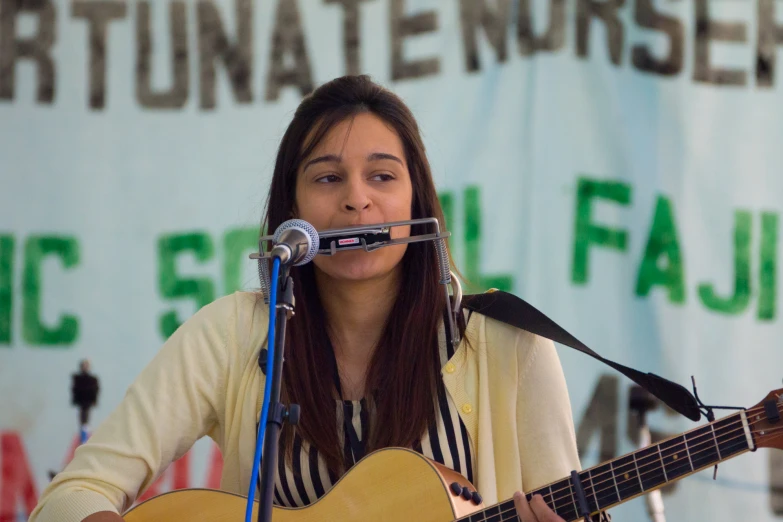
<point x="398" y="208"/>
<point x="312" y="209"/>
<point x="401" y="231"/>
<point x="400" y="212"/>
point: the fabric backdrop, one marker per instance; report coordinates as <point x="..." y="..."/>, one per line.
<point x="616" y="163"/>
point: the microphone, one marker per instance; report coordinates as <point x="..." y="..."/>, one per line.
<point x="296" y="242"/>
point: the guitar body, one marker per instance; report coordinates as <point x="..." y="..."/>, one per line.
<point x="388" y="485"/>
<point x="401" y="485"/>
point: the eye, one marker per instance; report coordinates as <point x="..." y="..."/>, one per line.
<point x="328" y="178"/>
<point x="383" y="176"/>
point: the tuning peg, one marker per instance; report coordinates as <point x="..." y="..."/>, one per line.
<point x="466" y="493"/>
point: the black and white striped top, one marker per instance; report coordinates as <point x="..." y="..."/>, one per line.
<point x="307" y="478"/>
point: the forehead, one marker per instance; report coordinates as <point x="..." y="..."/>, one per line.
<point x="357" y="136"/>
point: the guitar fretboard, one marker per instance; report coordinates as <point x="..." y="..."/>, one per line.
<point x="619" y="480"/>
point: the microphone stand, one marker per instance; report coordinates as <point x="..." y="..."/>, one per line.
<point x="369" y="239"/>
<point x="641" y="402"/>
<point x="84" y="394"/>
<point x="278" y="413"/>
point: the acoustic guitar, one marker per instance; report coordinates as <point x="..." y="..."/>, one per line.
<point x="397" y="484"/>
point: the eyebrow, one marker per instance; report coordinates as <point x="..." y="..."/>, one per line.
<point x="333" y="158"/>
<point x="322" y="159"/>
<point x="377" y="156"/>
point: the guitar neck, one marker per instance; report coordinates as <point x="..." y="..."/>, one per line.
<point x="639" y="472"/>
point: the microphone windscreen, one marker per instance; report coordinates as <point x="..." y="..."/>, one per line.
<point x="307" y="229"/>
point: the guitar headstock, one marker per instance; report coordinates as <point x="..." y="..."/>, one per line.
<point x="766" y="421"/>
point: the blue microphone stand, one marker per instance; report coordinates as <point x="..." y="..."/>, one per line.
<point x="278" y="413"/>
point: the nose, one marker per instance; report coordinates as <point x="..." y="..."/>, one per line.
<point x="356" y="198"/>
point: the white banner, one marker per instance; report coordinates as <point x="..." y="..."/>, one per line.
<point x="616" y="163"/>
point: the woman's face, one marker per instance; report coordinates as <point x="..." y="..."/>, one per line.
<point x="357" y="175"/>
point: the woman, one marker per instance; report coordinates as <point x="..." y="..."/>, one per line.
<point x="365" y="351"/>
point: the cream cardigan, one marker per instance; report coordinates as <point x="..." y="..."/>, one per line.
<point x="508" y="386"/>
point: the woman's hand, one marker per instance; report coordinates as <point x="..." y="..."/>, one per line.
<point x="534" y="511"/>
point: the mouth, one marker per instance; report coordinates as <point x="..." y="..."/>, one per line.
<point x="361" y="222"/>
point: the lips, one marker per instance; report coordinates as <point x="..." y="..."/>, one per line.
<point x="357" y="223"/>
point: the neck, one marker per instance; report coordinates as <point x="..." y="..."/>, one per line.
<point x="356" y="312"/>
<point x="636" y="473"/>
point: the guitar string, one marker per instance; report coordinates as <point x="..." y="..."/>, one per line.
<point x="724" y="440"/>
<point x="593" y="478"/>
<point x="512" y="510"/>
<point x="777" y="430"/>
<point x="551" y="503"/>
<point x="753" y="422"/>
<point x="732" y="436"/>
<point x="622" y="481"/>
<point x="686" y="443"/>
<point x="750" y="411"/>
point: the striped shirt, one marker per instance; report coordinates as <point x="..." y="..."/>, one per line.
<point x="306" y="478"/>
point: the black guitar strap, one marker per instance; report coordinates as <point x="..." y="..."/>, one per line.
<point x="512" y="310"/>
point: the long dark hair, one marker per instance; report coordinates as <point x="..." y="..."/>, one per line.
<point x="403" y="376"/>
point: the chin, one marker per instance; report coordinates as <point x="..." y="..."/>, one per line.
<point x="357" y="265"/>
